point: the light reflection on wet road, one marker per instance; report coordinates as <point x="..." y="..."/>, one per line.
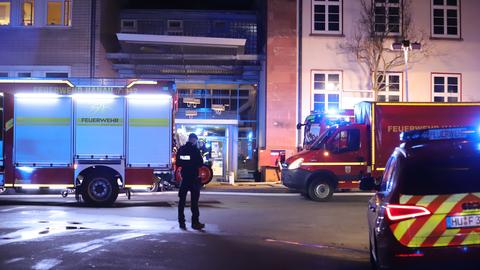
<point x="242" y="232"/>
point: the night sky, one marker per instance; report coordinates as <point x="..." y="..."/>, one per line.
<point x="191" y="4"/>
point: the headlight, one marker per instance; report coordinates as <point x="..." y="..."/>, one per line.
<point x="296" y="164"/>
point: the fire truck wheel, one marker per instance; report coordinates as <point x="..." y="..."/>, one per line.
<point x="320" y="190"/>
<point x="99" y="190"/>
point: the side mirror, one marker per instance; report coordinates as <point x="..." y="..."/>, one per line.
<point x="368" y="183"/>
<point x="299" y="125"/>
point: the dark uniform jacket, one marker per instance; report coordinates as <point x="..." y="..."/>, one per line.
<point x="189" y="158"/>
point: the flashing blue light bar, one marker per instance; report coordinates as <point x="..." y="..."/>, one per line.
<point x="439" y="134"/>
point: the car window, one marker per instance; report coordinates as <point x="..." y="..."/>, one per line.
<point x="345" y="141"/>
<point x="387" y="174"/>
<point x="441" y="175"/>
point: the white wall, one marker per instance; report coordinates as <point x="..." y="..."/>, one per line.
<point x="320" y="52"/>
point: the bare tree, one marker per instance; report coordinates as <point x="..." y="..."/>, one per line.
<point x="371" y="44"/>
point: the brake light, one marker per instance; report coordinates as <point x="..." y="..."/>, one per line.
<point x="396" y="212"/>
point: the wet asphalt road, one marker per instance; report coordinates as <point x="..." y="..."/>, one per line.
<point x="259" y="231"/>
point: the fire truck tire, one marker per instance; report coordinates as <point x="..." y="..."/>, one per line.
<point x="99" y="190"/>
<point x="320" y="190"/>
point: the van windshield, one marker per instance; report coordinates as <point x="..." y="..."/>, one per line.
<point x="318" y="144"/>
<point x="448" y="175"/>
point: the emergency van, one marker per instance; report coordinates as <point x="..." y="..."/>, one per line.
<point x="426" y="213"/>
<point x="346" y="153"/>
<point x="93" y="138"/>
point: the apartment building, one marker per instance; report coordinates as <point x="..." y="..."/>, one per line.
<point x="309" y="70"/>
<point x="56" y="38"/>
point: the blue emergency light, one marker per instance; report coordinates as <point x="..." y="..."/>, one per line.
<point x="439" y="134"/>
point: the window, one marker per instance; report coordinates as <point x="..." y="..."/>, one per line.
<point x="327" y="16"/>
<point x="129" y="25"/>
<point x="446" y="88"/>
<point x="56" y="75"/>
<point x="389" y="174"/>
<point x="3" y="74"/>
<point x="24" y="74"/>
<point x="28" y="12"/>
<point x="446" y="18"/>
<point x="174" y="27"/>
<point x="345" y="141"/>
<point x="390" y="87"/>
<point x="59" y="12"/>
<point x="4" y="12"/>
<point x="387" y="16"/>
<point x="326" y="91"/>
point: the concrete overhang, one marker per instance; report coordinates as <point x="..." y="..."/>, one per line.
<point x="132" y="43"/>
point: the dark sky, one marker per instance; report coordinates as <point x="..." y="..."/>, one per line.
<point x="191" y="4"/>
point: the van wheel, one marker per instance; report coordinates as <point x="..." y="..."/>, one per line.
<point x="99" y="190"/>
<point x="320" y="190"/>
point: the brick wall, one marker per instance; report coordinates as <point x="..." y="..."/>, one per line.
<point x="281" y="86"/>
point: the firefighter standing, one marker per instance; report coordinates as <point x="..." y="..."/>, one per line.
<point x="189" y="158"/>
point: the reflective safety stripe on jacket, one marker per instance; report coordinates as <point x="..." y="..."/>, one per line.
<point x="432" y="230"/>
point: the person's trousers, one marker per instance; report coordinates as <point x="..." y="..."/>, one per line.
<point x="194" y="188"/>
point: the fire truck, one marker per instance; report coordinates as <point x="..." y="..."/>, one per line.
<point x="93" y="138"/>
<point x="346" y="153"/>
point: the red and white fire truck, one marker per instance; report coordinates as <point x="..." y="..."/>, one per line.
<point x="346" y="153"/>
<point x="86" y="138"/>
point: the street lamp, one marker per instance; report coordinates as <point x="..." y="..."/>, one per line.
<point x="406" y="46"/>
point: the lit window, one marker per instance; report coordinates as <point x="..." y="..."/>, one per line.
<point x="327" y="16"/>
<point x="28" y="12"/>
<point x="59" y="12"/>
<point x="56" y="75"/>
<point x="326" y="91"/>
<point x="446" y="87"/>
<point x="174" y="27"/>
<point x="387" y="17"/>
<point x="4" y="12"/>
<point x="24" y="74"/>
<point x="445" y="18"/>
<point x="390" y="87"/>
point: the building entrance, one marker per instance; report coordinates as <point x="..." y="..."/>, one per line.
<point x="214" y="142"/>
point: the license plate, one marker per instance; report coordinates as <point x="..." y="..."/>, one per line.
<point x="463" y="221"/>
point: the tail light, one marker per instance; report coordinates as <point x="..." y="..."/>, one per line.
<point x="396" y="212"/>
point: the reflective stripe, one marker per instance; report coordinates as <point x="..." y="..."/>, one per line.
<point x="138" y="186"/>
<point x="425" y="231"/>
<point x="472" y="238"/>
<point x="148" y="122"/>
<point x="186" y="157"/>
<point x="402" y="228"/>
<point x="42" y="121"/>
<point x="44" y="185"/>
<point x="426" y="200"/>
<point x="333" y="163"/>
<point x="446" y="238"/>
<point x="405" y="198"/>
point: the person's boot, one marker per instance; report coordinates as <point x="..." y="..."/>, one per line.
<point x="182" y="225"/>
<point x="198" y="225"/>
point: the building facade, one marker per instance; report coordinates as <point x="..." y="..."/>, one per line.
<point x="215" y="61"/>
<point x="56" y="38"/>
<point x="330" y="79"/>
